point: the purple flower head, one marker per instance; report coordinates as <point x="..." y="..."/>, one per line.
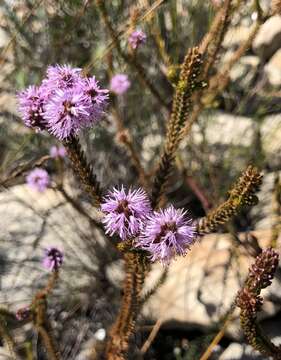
<point x="65" y="102"/>
<point x="53" y="258"/>
<point x="23" y="313"/>
<point x="31" y="107"/>
<point x="94" y="91"/>
<point x="125" y="212"/>
<point x="97" y="97"/>
<point x="119" y="84"/>
<point x="167" y="233"/>
<point x="137" y="38"/>
<point x="38" y="179"/>
<point x="57" y="152"/>
<point x="67" y="112"/>
<point x="62" y="77"/>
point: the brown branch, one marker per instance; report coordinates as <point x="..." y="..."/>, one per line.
<point x="151" y="336"/>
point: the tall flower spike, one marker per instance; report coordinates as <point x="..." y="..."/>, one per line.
<point x="167" y="233"/>
<point x="38" y="179"/>
<point x="53" y="258"/>
<point x="189" y="81"/>
<point x="119" y="84"/>
<point x="31" y="107"/>
<point x="249" y="301"/>
<point x="262" y="271"/>
<point x="125" y="212"/>
<point x="137" y="38"/>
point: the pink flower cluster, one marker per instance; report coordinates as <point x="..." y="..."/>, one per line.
<point x="163" y="234"/>
<point x="137" y="38"/>
<point x="38" y="179"/>
<point x="57" y="152"/>
<point x="119" y="84"/>
<point x="64" y="103"/>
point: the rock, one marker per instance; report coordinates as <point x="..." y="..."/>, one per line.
<point x="270" y="138"/>
<point x="4" y="353"/>
<point x="235" y="36"/>
<point x="263" y="214"/>
<point x="201" y="286"/>
<point x="273" y="69"/>
<point x="244" y="70"/>
<point x="30" y="222"/>
<point x="4" y="39"/>
<point x="268" y="39"/>
<point x="236" y="351"/>
<point x="79" y="305"/>
<point x="225" y="129"/>
<point x="228" y="137"/>
<point x="151" y="144"/>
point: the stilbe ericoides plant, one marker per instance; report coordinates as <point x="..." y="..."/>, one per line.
<point x="138" y="217"/>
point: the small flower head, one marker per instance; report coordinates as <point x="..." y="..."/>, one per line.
<point x="119" y="84"/>
<point x="167" y="233"/>
<point x="57" y="151"/>
<point x="94" y="91"/>
<point x="97" y="97"/>
<point x="137" y="38"/>
<point x="38" y="179"/>
<point x="62" y="77"/>
<point x="53" y="258"/>
<point x="67" y="112"/>
<point x="31" y="107"/>
<point x="125" y="212"/>
<point x="23" y="313"/>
